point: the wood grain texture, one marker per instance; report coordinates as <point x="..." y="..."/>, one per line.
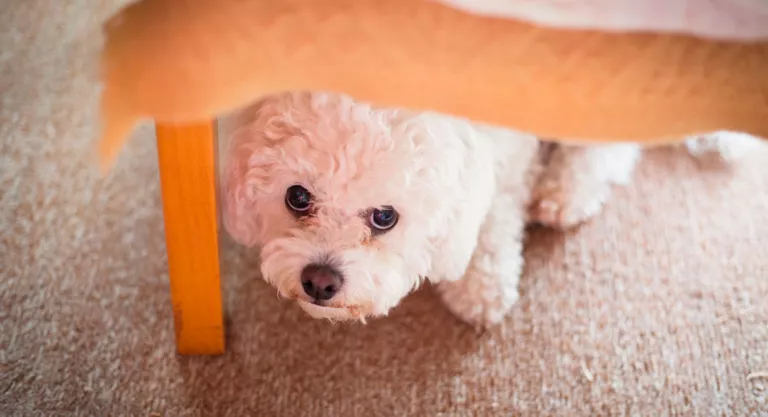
<point x="188" y="180"/>
<point x="187" y="60"/>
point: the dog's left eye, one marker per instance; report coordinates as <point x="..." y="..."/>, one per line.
<point x="383" y="219"/>
<point x="298" y="199"/>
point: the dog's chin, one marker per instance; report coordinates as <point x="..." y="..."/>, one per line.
<point x="330" y="313"/>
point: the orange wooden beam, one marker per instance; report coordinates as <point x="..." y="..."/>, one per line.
<point x="188" y="60"/>
<point x="187" y="155"/>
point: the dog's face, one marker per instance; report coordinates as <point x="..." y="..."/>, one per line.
<point x="352" y="206"/>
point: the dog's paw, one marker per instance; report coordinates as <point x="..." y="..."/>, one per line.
<point x="577" y="182"/>
<point x="478" y="302"/>
<point x="563" y="203"/>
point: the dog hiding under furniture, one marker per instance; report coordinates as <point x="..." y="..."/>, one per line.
<point x="159" y="64"/>
<point x="354" y="206"/>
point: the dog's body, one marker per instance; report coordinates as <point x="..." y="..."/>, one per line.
<point x="354" y="206"/>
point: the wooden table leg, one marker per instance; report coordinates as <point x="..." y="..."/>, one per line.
<point x="188" y="177"/>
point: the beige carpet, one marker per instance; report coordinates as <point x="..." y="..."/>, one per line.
<point x="656" y="308"/>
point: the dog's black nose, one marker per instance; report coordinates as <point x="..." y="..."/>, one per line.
<point x="320" y="281"/>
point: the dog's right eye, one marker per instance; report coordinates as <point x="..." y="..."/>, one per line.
<point x="298" y="199"/>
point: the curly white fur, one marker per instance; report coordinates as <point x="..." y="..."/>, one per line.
<point x="464" y="193"/>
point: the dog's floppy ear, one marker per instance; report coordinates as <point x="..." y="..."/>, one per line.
<point x="472" y="195"/>
<point x="468" y="198"/>
<point x="240" y="214"/>
<point x="243" y="172"/>
<point x="454" y="247"/>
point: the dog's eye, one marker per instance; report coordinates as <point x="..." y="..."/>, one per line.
<point x="298" y="199"/>
<point x="383" y="219"/>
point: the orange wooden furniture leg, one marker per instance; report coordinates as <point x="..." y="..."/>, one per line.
<point x="187" y="157"/>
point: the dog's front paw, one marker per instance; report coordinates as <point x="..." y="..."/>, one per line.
<point x="480" y="301"/>
<point x="562" y="202"/>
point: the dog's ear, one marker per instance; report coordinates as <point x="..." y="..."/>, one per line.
<point x="454" y="247"/>
<point x="468" y="200"/>
<point x="240" y="214"/>
<point x="244" y="169"/>
<point x="471" y="197"/>
<point x="453" y="184"/>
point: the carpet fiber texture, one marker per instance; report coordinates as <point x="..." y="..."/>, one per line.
<point x="656" y="307"/>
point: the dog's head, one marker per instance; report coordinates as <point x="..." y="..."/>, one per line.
<point x="351" y="205"/>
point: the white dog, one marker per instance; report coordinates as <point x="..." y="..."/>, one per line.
<point x="354" y="206"/>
